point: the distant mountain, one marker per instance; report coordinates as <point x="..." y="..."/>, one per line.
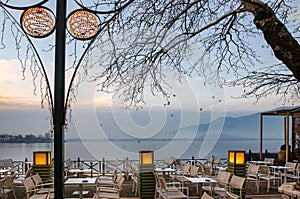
<point x="237" y="127"/>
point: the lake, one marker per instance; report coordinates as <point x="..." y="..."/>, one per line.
<point x="120" y="149"/>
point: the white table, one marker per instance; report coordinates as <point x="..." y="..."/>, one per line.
<point x="260" y="162"/>
<point x="80" y="182"/>
<point x="201" y="181"/>
<point x="279" y="168"/>
<point x="80" y="171"/>
<point x="164" y="170"/>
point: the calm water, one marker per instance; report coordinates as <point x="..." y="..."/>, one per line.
<point x="110" y="150"/>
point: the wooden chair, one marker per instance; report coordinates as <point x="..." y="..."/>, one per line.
<point x="296" y="175"/>
<point x="42" y="186"/>
<point x="209" y="161"/>
<point x="270" y="160"/>
<point x="112" y="192"/>
<point x="266" y="175"/>
<point x="114" y="188"/>
<point x="172" y="194"/>
<point x="170" y="186"/>
<point x="236" y="182"/>
<point x="290" y="173"/>
<point x="184" y="172"/>
<point x="8" y="186"/>
<point x="252" y="174"/>
<point x="219" y="188"/>
<point x="31" y="192"/>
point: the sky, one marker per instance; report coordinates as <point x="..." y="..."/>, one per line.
<point x="21" y="111"/>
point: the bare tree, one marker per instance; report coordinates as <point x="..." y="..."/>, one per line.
<point x="145" y="42"/>
<point x="152" y="39"/>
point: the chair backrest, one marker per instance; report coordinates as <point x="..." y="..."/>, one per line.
<point x="264" y="169"/>
<point x="194" y="171"/>
<point x="68" y="163"/>
<point x="115" y="173"/>
<point x="209" y="160"/>
<point x="186" y="168"/>
<point x="200" y="169"/>
<point x="292" y="165"/>
<point x="121" y="181"/>
<point x="29" y="185"/>
<point x="207" y="171"/>
<point x="206" y="196"/>
<point x="37" y="179"/>
<point x="271" y="160"/>
<point x="223" y="177"/>
<point x="9" y="181"/>
<point x="252" y="169"/>
<point x="28" y="172"/>
<point x="237" y="182"/>
<point x="217" y="160"/>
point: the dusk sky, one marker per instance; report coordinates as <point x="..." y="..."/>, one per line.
<point x="21" y="111"/>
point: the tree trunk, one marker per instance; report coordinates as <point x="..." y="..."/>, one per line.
<point x="285" y="46"/>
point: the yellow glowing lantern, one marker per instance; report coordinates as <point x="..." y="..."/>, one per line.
<point x="146" y="157"/>
<point x="42" y="158"/>
<point x="236" y="157"/>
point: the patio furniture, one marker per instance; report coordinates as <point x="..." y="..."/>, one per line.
<point x="180" y="175"/>
<point x="200" y="181"/>
<point x="265" y="174"/>
<point x="222" y="181"/>
<point x="8" y="186"/>
<point x="166" y="193"/>
<point x="237" y="183"/>
<point x="114" y="188"/>
<point x="80" y="182"/>
<point x="42" y="186"/>
<point x="252" y="175"/>
<point x="31" y="192"/>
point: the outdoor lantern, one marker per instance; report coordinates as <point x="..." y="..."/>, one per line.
<point x="236" y="157"/>
<point x="146" y="157"/>
<point x="42" y="158"/>
<point x="237" y="166"/>
<point x="146" y="179"/>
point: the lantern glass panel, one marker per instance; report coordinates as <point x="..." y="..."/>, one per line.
<point x="231" y="157"/>
<point x="240" y="158"/>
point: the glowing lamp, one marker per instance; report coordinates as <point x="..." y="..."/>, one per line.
<point x="236" y="157"/>
<point x="146" y="157"/>
<point x="42" y="158"/>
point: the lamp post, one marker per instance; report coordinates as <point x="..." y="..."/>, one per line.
<point x="38" y="21"/>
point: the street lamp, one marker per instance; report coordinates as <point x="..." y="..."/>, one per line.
<point x="38" y="21"/>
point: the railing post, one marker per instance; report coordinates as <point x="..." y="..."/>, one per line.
<point x="26" y="166"/>
<point x="78" y="163"/>
<point x="91" y="166"/>
<point x="103" y="165"/>
<point x="249" y="155"/>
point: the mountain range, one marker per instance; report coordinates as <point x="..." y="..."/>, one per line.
<point x="241" y="127"/>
